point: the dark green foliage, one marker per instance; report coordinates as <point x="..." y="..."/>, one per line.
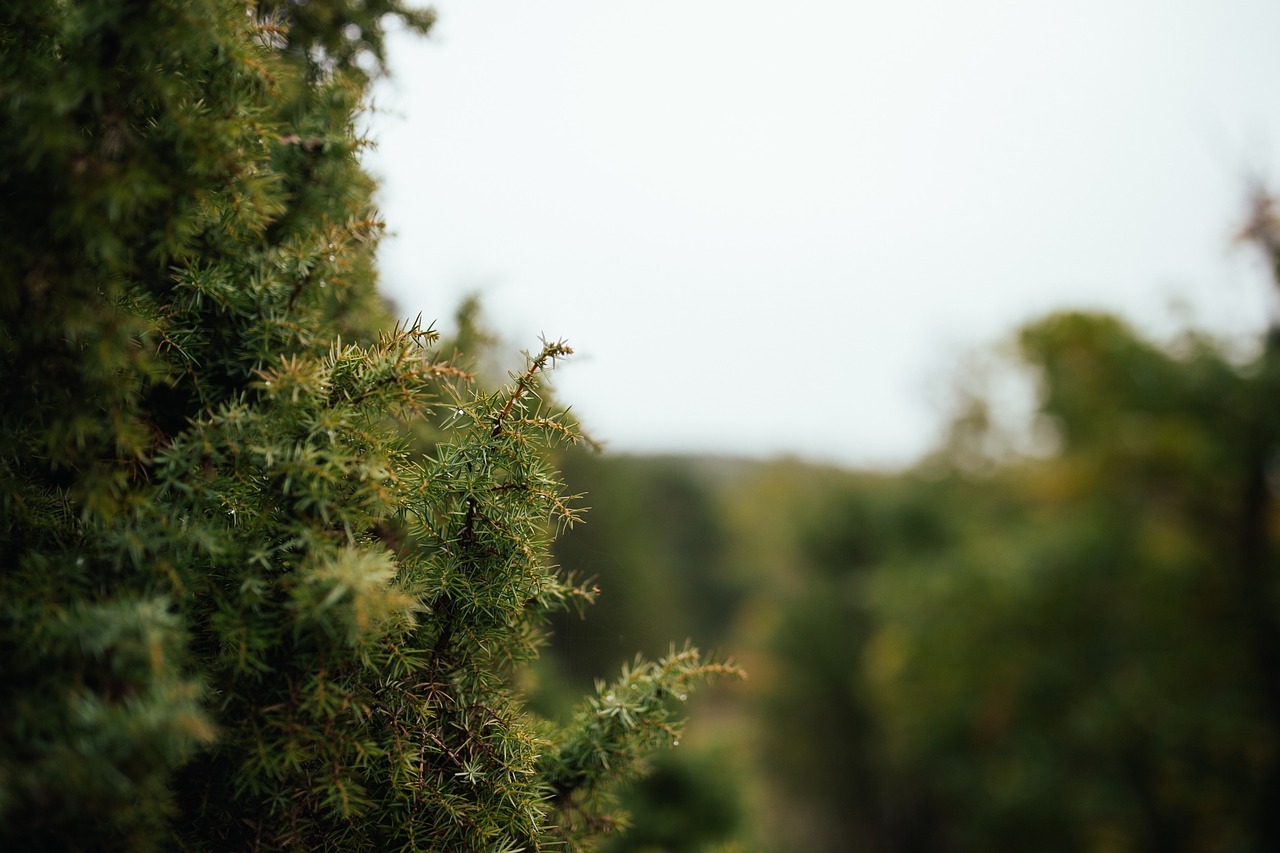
<point x="841" y="787"/>
<point x="656" y="548"/>
<point x="687" y="804"/>
<point x="240" y="606"/>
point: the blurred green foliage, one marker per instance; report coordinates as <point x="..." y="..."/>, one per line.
<point x="656" y="548"/>
<point x="1072" y="650"/>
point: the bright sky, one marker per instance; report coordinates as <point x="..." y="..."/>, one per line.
<point x="777" y="227"/>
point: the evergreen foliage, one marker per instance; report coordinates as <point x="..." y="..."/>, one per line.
<point x="241" y="605"/>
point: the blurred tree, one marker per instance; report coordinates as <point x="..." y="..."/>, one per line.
<point x="1089" y="670"/>
<point x="823" y="740"/>
<point x="235" y="611"/>
<point x="656" y="549"/>
<point x="692" y="802"/>
<point x="1078" y="651"/>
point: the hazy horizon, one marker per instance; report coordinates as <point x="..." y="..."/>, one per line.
<point x="777" y="231"/>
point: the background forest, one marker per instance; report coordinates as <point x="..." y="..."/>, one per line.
<point x="1075" y="648"/>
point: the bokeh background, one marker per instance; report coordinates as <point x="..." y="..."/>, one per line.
<point x="934" y="351"/>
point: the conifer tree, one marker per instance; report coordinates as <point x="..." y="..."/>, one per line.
<point x="239" y="608"/>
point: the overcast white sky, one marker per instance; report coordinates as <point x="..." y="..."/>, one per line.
<point x="774" y="227"/>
